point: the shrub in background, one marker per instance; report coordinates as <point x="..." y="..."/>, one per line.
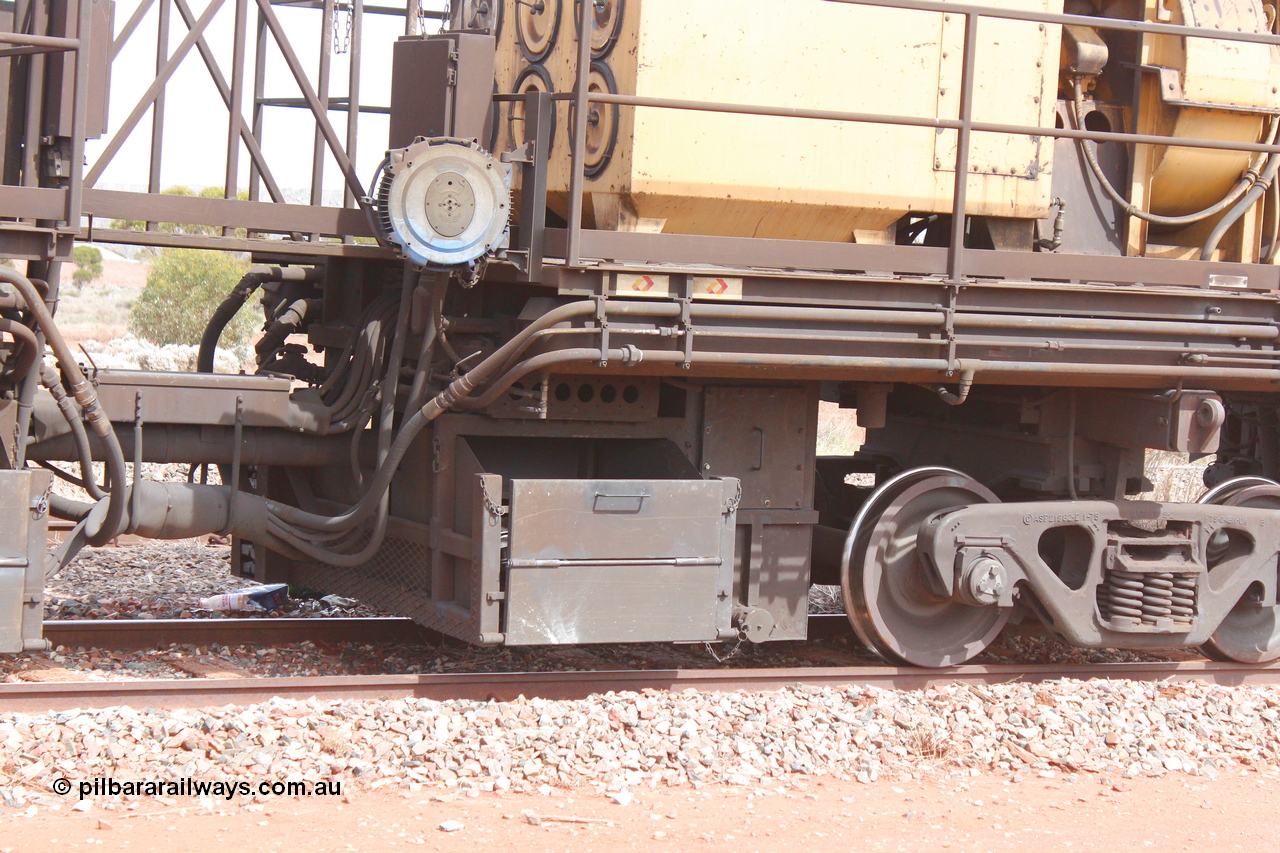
<point x="183" y="289"/>
<point x="88" y="261"/>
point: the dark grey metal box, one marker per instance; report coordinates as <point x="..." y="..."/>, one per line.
<point x="24" y="527"/>
<point x="598" y="561"/>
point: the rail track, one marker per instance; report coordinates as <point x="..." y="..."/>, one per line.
<point x="503" y="686"/>
<point x="121" y="634"/>
<point x="193" y="693"/>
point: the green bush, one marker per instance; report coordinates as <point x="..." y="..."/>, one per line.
<point x="183" y="289"/>
<point x="88" y="261"/>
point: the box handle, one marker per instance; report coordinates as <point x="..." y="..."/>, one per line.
<point x="618" y="503"/>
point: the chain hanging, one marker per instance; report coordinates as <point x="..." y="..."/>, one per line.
<point x="341" y="32"/>
<point x="495" y="509"/>
<point x="731" y="653"/>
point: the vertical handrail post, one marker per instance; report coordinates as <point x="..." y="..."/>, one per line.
<point x="955" y="252"/>
<point x="235" y="118"/>
<point x="259" y="92"/>
<point x="37" y="23"/>
<point x="157" y="106"/>
<point x="327" y="16"/>
<point x="356" y="11"/>
<point x="79" y="119"/>
<point x="539" y="118"/>
<point x="581" y="103"/>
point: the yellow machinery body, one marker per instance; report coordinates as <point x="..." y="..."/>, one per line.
<point x="724" y="174"/>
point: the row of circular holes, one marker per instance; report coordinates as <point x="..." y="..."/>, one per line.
<point x="586" y="393"/>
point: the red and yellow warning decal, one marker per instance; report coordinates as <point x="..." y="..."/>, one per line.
<point x="656" y="286"/>
<point x="710" y="287"/>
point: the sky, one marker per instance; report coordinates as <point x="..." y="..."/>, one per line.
<point x="195" y="123"/>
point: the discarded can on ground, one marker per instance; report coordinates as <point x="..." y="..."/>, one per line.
<point x="266" y="597"/>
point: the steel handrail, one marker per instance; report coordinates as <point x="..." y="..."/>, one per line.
<point x="964" y="124"/>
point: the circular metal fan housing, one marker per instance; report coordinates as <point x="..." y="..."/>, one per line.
<point x="447" y="202"/>
<point x="534" y="78"/>
<point x="479" y="15"/>
<point x="605" y="26"/>
<point x="536" y="24"/>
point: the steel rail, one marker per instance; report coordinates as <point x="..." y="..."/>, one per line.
<point x="122" y="634"/>
<point x="502" y="687"/>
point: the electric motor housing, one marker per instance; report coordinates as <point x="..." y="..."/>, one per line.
<point x="445" y="201"/>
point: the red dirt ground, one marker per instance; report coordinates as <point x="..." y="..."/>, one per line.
<point x="1174" y="813"/>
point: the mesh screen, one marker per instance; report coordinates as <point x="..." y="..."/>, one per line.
<point x="397" y="578"/>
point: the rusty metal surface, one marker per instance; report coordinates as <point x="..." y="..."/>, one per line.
<point x="196" y="693"/>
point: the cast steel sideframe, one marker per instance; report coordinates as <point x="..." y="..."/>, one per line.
<point x="1116" y="574"/>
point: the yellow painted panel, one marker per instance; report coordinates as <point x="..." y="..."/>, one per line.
<point x="716" y="173"/>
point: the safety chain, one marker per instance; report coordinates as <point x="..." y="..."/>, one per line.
<point x="41" y="506"/>
<point x="341" y="46"/>
<point x="734" y="501"/>
<point x="470" y="275"/>
<point x="495" y="509"/>
<point x="732" y="653"/>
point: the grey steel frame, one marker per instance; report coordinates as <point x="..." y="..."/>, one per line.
<point x="326" y="231"/>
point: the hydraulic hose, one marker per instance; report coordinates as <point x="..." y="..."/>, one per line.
<point x="1247" y="181"/>
<point x="87" y="398"/>
<point x="29" y="347"/>
<point x="68" y="509"/>
<point x="1274" y="245"/>
<point x="29" y="384"/>
<point x="49" y="379"/>
<point x="386" y="418"/>
<point x="253" y="279"/>
<point x="956" y="399"/>
<point x="427" y="351"/>
<point x="285" y="324"/>
<point x="432" y="409"/>
<point x="1250" y="198"/>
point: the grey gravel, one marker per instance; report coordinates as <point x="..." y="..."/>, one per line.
<point x="163" y="580"/>
<point x="620" y="742"/>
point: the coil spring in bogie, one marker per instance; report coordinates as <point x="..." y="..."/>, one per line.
<point x="1184" y="598"/>
<point x="1147" y="597"/>
<point x="1124" y="595"/>
<point x="1157" y="596"/>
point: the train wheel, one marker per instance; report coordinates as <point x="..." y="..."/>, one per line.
<point x="1251" y="631"/>
<point x="893" y="606"/>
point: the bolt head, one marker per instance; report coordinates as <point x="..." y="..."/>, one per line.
<point x="984" y="581"/>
